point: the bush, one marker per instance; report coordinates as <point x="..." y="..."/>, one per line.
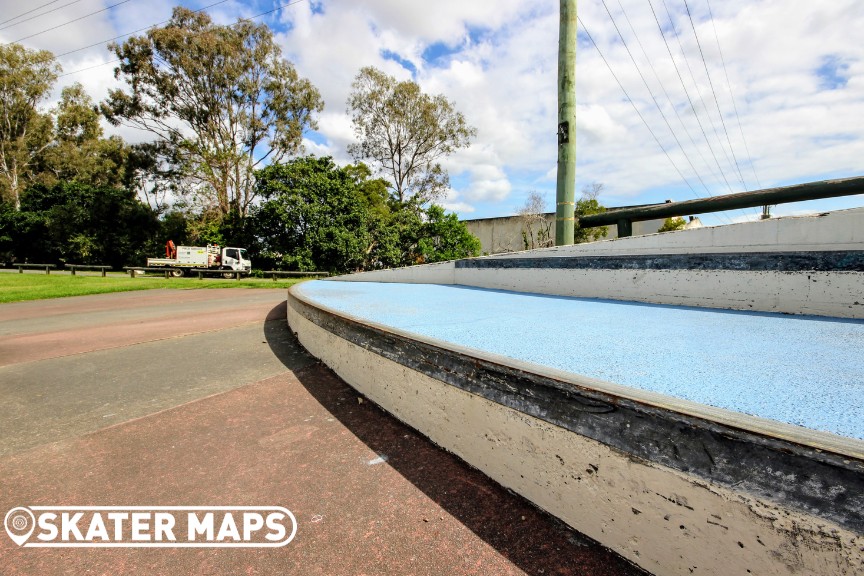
<point x="672" y="224"/>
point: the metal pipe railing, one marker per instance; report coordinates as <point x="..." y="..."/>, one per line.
<point x="624" y="217"/>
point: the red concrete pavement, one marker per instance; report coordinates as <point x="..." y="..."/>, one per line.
<point x="370" y="495"/>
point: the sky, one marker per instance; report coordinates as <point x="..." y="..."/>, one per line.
<point x="733" y="95"/>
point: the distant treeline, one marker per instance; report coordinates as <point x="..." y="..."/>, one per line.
<point x="227" y="115"/>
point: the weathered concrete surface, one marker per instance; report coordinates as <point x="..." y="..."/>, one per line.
<point x="836" y="294"/>
<point x="49" y="400"/>
<point x="117" y="306"/>
<point x="81" y="325"/>
<point x="259" y="423"/>
<point x="504" y="234"/>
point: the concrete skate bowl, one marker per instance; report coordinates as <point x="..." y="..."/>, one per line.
<point x="688" y="439"/>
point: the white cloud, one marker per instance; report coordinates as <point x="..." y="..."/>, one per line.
<point x="314" y="148"/>
<point x="486" y="179"/>
<point x="452" y="203"/>
<point x="441" y="21"/>
<point x="458" y="207"/>
<point x="497" y="61"/>
<point x="495" y="189"/>
<point x="337" y="129"/>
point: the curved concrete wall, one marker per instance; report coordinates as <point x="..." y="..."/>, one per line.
<point x="674" y="488"/>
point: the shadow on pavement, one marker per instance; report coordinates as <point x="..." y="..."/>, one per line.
<point x="282" y="341"/>
<point x="533" y="540"/>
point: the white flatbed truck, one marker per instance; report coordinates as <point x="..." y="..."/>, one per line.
<point x="210" y="258"/>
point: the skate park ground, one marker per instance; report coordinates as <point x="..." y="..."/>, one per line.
<point x="204" y="397"/>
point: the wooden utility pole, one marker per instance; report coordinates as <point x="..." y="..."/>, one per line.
<point x="566" y="189"/>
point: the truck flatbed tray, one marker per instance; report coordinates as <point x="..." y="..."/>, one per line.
<point x="237" y="274"/>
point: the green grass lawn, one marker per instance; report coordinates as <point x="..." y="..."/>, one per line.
<point x="19" y="287"/>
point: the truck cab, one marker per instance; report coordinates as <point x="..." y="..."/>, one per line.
<point x="236" y="259"/>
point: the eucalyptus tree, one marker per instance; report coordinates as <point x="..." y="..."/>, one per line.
<point x="405" y="133"/>
<point x="26" y="79"/>
<point x="78" y="151"/>
<point x="222" y="99"/>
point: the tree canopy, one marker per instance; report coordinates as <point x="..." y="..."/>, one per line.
<point x="585" y="206"/>
<point x="313" y="217"/>
<point x="405" y="133"/>
<point x="673" y="224"/>
<point x="64" y="186"/>
<point x="221" y="98"/>
<point x="78" y="223"/>
<point x="444" y="237"/>
<point x="26" y="79"/>
<point x="319" y="216"/>
<point x="78" y="151"/>
<point x="221" y="103"/>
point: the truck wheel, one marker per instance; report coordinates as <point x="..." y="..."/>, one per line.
<point x="177" y="272"/>
<point x="228" y="275"/>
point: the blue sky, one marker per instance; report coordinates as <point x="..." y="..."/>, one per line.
<point x="786" y="75"/>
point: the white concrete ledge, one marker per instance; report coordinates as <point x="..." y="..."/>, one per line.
<point x="438" y="273"/>
<point x="837" y="293"/>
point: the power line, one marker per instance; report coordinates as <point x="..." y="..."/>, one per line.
<point x="34" y="9"/>
<point x="277" y="8"/>
<point x="71" y="21"/>
<point x="732" y="96"/>
<point x="666" y="93"/>
<point x="696" y="85"/>
<point x="654" y="99"/>
<point x="630" y="100"/>
<point x="716" y="100"/>
<point x="714" y="93"/>
<point x="88" y="68"/>
<point x="686" y="91"/>
<point x="133" y="32"/>
<point x="656" y="104"/>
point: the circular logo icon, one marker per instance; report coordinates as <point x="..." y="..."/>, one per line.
<point x="19" y="523"/>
